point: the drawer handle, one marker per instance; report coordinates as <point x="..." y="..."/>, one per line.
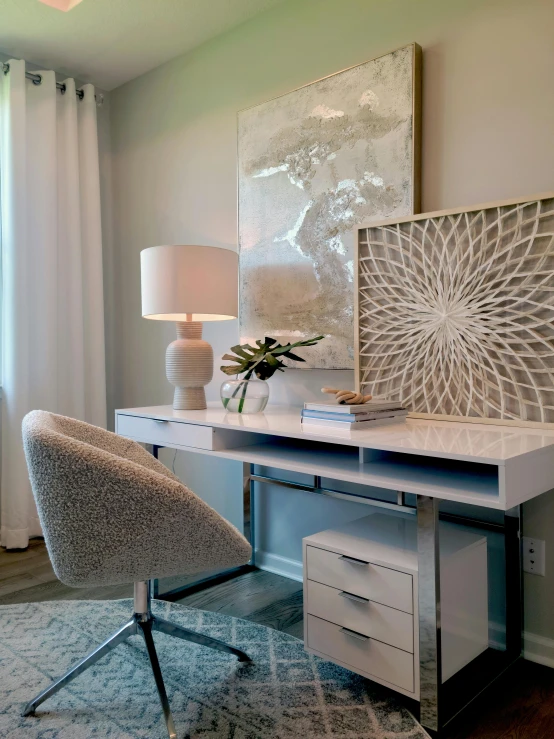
<point x="353" y="561"/>
<point x="354" y="634"/>
<point x="160" y="420"/>
<point x="351" y="596"/>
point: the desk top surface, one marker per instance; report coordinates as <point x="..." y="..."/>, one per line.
<point x="448" y="439"/>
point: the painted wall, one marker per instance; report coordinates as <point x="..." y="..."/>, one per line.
<point x="488" y="118"/>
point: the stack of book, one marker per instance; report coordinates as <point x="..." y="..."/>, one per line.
<point x="347" y="418"/>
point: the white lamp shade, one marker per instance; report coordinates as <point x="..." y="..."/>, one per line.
<point x="189" y="283"/>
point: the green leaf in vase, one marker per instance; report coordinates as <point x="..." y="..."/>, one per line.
<point x="290" y="355"/>
<point x="241" y="351"/>
<point x="262" y="360"/>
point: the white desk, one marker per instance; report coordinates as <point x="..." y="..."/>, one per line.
<point x="495" y="467"/>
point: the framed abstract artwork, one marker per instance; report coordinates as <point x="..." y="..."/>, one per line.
<point x="455" y="312"/>
<point x="312" y="164"/>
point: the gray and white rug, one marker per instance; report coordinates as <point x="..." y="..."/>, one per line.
<point x="284" y="694"/>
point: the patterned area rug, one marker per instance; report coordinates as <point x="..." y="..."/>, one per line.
<point x="284" y="694"/>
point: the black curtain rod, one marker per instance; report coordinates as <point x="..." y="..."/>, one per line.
<point x="36" y="79"/>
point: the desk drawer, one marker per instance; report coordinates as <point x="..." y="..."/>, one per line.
<point x="366" y="617"/>
<point x="380" y="584"/>
<point x="166" y="433"/>
<point x="370" y="656"/>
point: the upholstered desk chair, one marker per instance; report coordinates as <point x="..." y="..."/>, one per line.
<point x="113" y="514"/>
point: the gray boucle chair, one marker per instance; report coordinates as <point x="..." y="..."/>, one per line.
<point x="112" y="514"/>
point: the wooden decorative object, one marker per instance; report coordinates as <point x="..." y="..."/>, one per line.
<point x="347" y="397"/>
<point x="455" y="312"/>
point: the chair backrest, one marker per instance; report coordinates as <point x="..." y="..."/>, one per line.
<point x="111" y="513"/>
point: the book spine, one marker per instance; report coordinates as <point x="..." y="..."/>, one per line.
<point x="351" y="409"/>
<point x="351" y="418"/>
<point x="328" y="408"/>
<point x="346" y="418"/>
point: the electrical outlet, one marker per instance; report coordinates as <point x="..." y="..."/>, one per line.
<point x="533" y="555"/>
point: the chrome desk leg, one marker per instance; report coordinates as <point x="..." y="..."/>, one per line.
<point x="154" y="450"/>
<point x="248" y="508"/>
<point x="429" y="611"/>
<point x="146" y="630"/>
<point x="171" y="629"/>
<point x="514" y="581"/>
<point x="129" y="629"/>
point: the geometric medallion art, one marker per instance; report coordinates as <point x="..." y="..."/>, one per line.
<point x="312" y="164"/>
<point x="456" y="311"/>
<point x="283" y="694"/>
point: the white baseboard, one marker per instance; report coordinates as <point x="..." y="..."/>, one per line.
<point x="290" y="568"/>
<point x="536" y="648"/>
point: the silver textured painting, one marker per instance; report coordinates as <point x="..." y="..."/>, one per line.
<point x="313" y="164"/>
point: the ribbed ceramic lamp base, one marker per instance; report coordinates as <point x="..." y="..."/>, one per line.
<point x="189" y="364"/>
<point x="189" y="399"/>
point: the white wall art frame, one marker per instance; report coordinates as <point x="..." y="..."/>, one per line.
<point x="455" y="312"/>
<point x="312" y="164"/>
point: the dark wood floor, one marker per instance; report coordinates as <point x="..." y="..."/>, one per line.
<point x="519" y="706"/>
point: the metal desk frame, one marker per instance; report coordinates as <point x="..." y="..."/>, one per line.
<point x="435" y="710"/>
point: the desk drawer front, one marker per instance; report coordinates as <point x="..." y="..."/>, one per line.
<point x="366" y="617"/>
<point x="369" y="656"/>
<point x="166" y="433"/>
<point x="379" y="584"/>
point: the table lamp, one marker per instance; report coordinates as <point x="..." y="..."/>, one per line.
<point x="189" y="285"/>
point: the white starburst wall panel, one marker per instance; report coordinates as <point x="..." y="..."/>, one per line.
<point x="455" y="312"/>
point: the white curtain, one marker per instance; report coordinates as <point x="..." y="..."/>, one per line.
<point x="52" y="312"/>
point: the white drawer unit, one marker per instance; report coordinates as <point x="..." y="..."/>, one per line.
<point x="361" y="598"/>
<point x="179" y="435"/>
<point x="369" y="657"/>
<point x="163" y="432"/>
<point x="371" y="619"/>
<point x="362" y="578"/>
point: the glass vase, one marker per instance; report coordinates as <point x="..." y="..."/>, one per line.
<point x="245" y="396"/>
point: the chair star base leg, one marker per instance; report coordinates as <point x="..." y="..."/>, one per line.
<point x="120" y="635"/>
<point x="146" y="629"/>
<point x="171" y="629"/>
<point x="143" y="623"/>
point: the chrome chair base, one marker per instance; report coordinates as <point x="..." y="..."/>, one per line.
<point x="143" y="622"/>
